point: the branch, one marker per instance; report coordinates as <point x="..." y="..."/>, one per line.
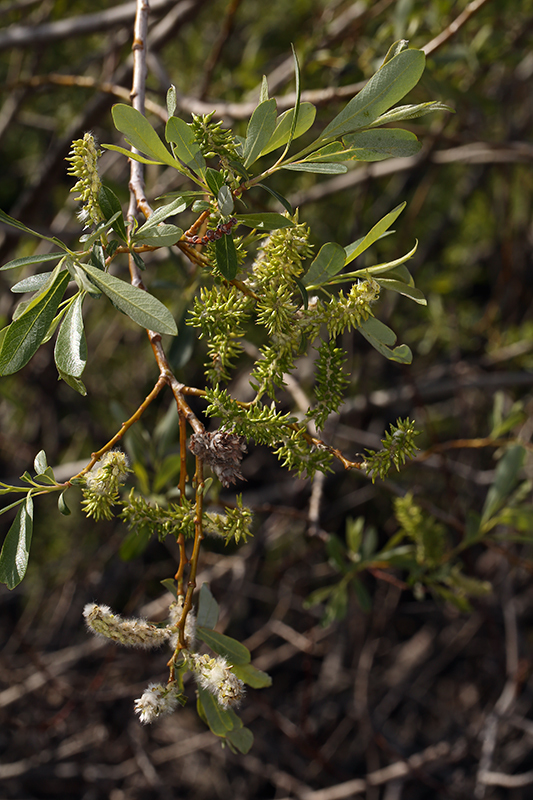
<point x="453" y="27"/>
<point x="81" y="25"/>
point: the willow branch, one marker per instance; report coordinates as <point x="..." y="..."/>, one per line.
<point x="453" y="27"/>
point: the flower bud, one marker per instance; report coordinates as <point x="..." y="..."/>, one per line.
<point x="129" y="632"/>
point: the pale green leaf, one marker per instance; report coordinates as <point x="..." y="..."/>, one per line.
<point x="354" y="250"/>
<point x="37" y="259"/>
<point x="280" y="137"/>
<point x="40" y="463"/>
<point x="70" y="352"/>
<point x="318" y="167"/>
<point x="140" y="134"/>
<point x="402" y="288"/>
<point x="242" y="739"/>
<point x="26" y="333"/>
<point x="260" y="129"/>
<point x="185" y="147"/>
<point x="137" y="157"/>
<point x="140" y="306"/>
<point x="33" y="283"/>
<point x="377" y="145"/>
<point x="380" y="337"/>
<point x="383" y="90"/>
<point x="410" y="112"/>
<point x="157" y="235"/>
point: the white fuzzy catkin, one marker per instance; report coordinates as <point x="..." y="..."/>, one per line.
<point x="156" y="701"/>
<point x="129" y="632"/>
<point x="214" y="675"/>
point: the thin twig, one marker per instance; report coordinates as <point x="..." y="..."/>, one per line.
<point x="453" y="27"/>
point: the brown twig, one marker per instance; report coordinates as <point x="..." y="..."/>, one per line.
<point x="453" y="27"/>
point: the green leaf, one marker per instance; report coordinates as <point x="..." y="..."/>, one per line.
<point x="319" y="168"/>
<point x="396" y="47"/>
<point x="26" y="333"/>
<point x="170" y="586"/>
<point x="394" y="269"/>
<point x="337" y="605"/>
<point x="62" y="504"/>
<point x="40" y="463"/>
<point x="177" y="205"/>
<point x="220" y="720"/>
<point x="185" y="147"/>
<point x="74" y="383"/>
<point x="137" y="157"/>
<point x="279" y="197"/>
<point x="14" y="223"/>
<point x="354" y="250"/>
<point x="260" y="129"/>
<point x="252" y="676"/>
<point x="377" y="145"/>
<point x="383" y="90"/>
<point x="241" y="738"/>
<point x="329" y="261"/>
<point x="410" y="112"/>
<point x="225" y="201"/>
<point x="157" y="235"/>
<point x="140" y="134"/>
<point x="354" y="533"/>
<point x="16" y="548"/>
<point x="70" y="352"/>
<point x="375" y="335"/>
<point x="402" y="288"/>
<point x="208" y="609"/>
<point x="234" y="651"/>
<point x="214" y="179"/>
<point x="505" y="480"/>
<point x="37" y="259"/>
<point x="264" y="90"/>
<point x="110" y="207"/>
<point x="140" y="306"/>
<point x="226" y="257"/>
<point x="33" y="283"/>
<point x="269" y="221"/>
<point x="280" y="137"/>
<point x="167" y="472"/>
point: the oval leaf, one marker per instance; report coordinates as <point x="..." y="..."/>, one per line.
<point x="154" y="235"/>
<point x="140" y="133"/>
<point x="16" y="548"/>
<point x="377" y="145"/>
<point x="220" y="720"/>
<point x="25" y="334"/>
<point x="241" y="738"/>
<point x="329" y="261"/>
<point x="260" y="129"/>
<point x="140" y="306"/>
<point x="70" y="352"/>
<point x="252" y="676"/>
<point x="383" y="90"/>
<point x="234" y="651"/>
<point x="33" y="283"/>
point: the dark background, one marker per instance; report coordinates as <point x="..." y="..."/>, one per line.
<point x="408" y="679"/>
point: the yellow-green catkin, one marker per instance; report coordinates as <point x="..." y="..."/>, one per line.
<point x="83" y="156"/>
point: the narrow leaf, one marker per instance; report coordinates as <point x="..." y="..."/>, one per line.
<point x="505" y="480"/>
<point x="269" y="221"/>
<point x="140" y="306"/>
<point x="234" y="651"/>
<point x="410" y="112"/>
<point x="402" y="353"/>
<point x="70" y="352"/>
<point x="37" y="259"/>
<point x="402" y="288"/>
<point x="329" y="261"/>
<point x="377" y="145"/>
<point x="383" y="90"/>
<point x="318" y="168"/>
<point x="62" y="504"/>
<point x="137" y="157"/>
<point x="226" y="257"/>
<point x="186" y="149"/>
<point x="16" y="548"/>
<point x="14" y="223"/>
<point x="33" y="283"/>
<point x="352" y="251"/>
<point x="73" y="382"/>
<point x="264" y="90"/>
<point x="260" y="128"/>
<point x="279" y="197"/>
<point x="25" y="334"/>
<point x="140" y="133"/>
